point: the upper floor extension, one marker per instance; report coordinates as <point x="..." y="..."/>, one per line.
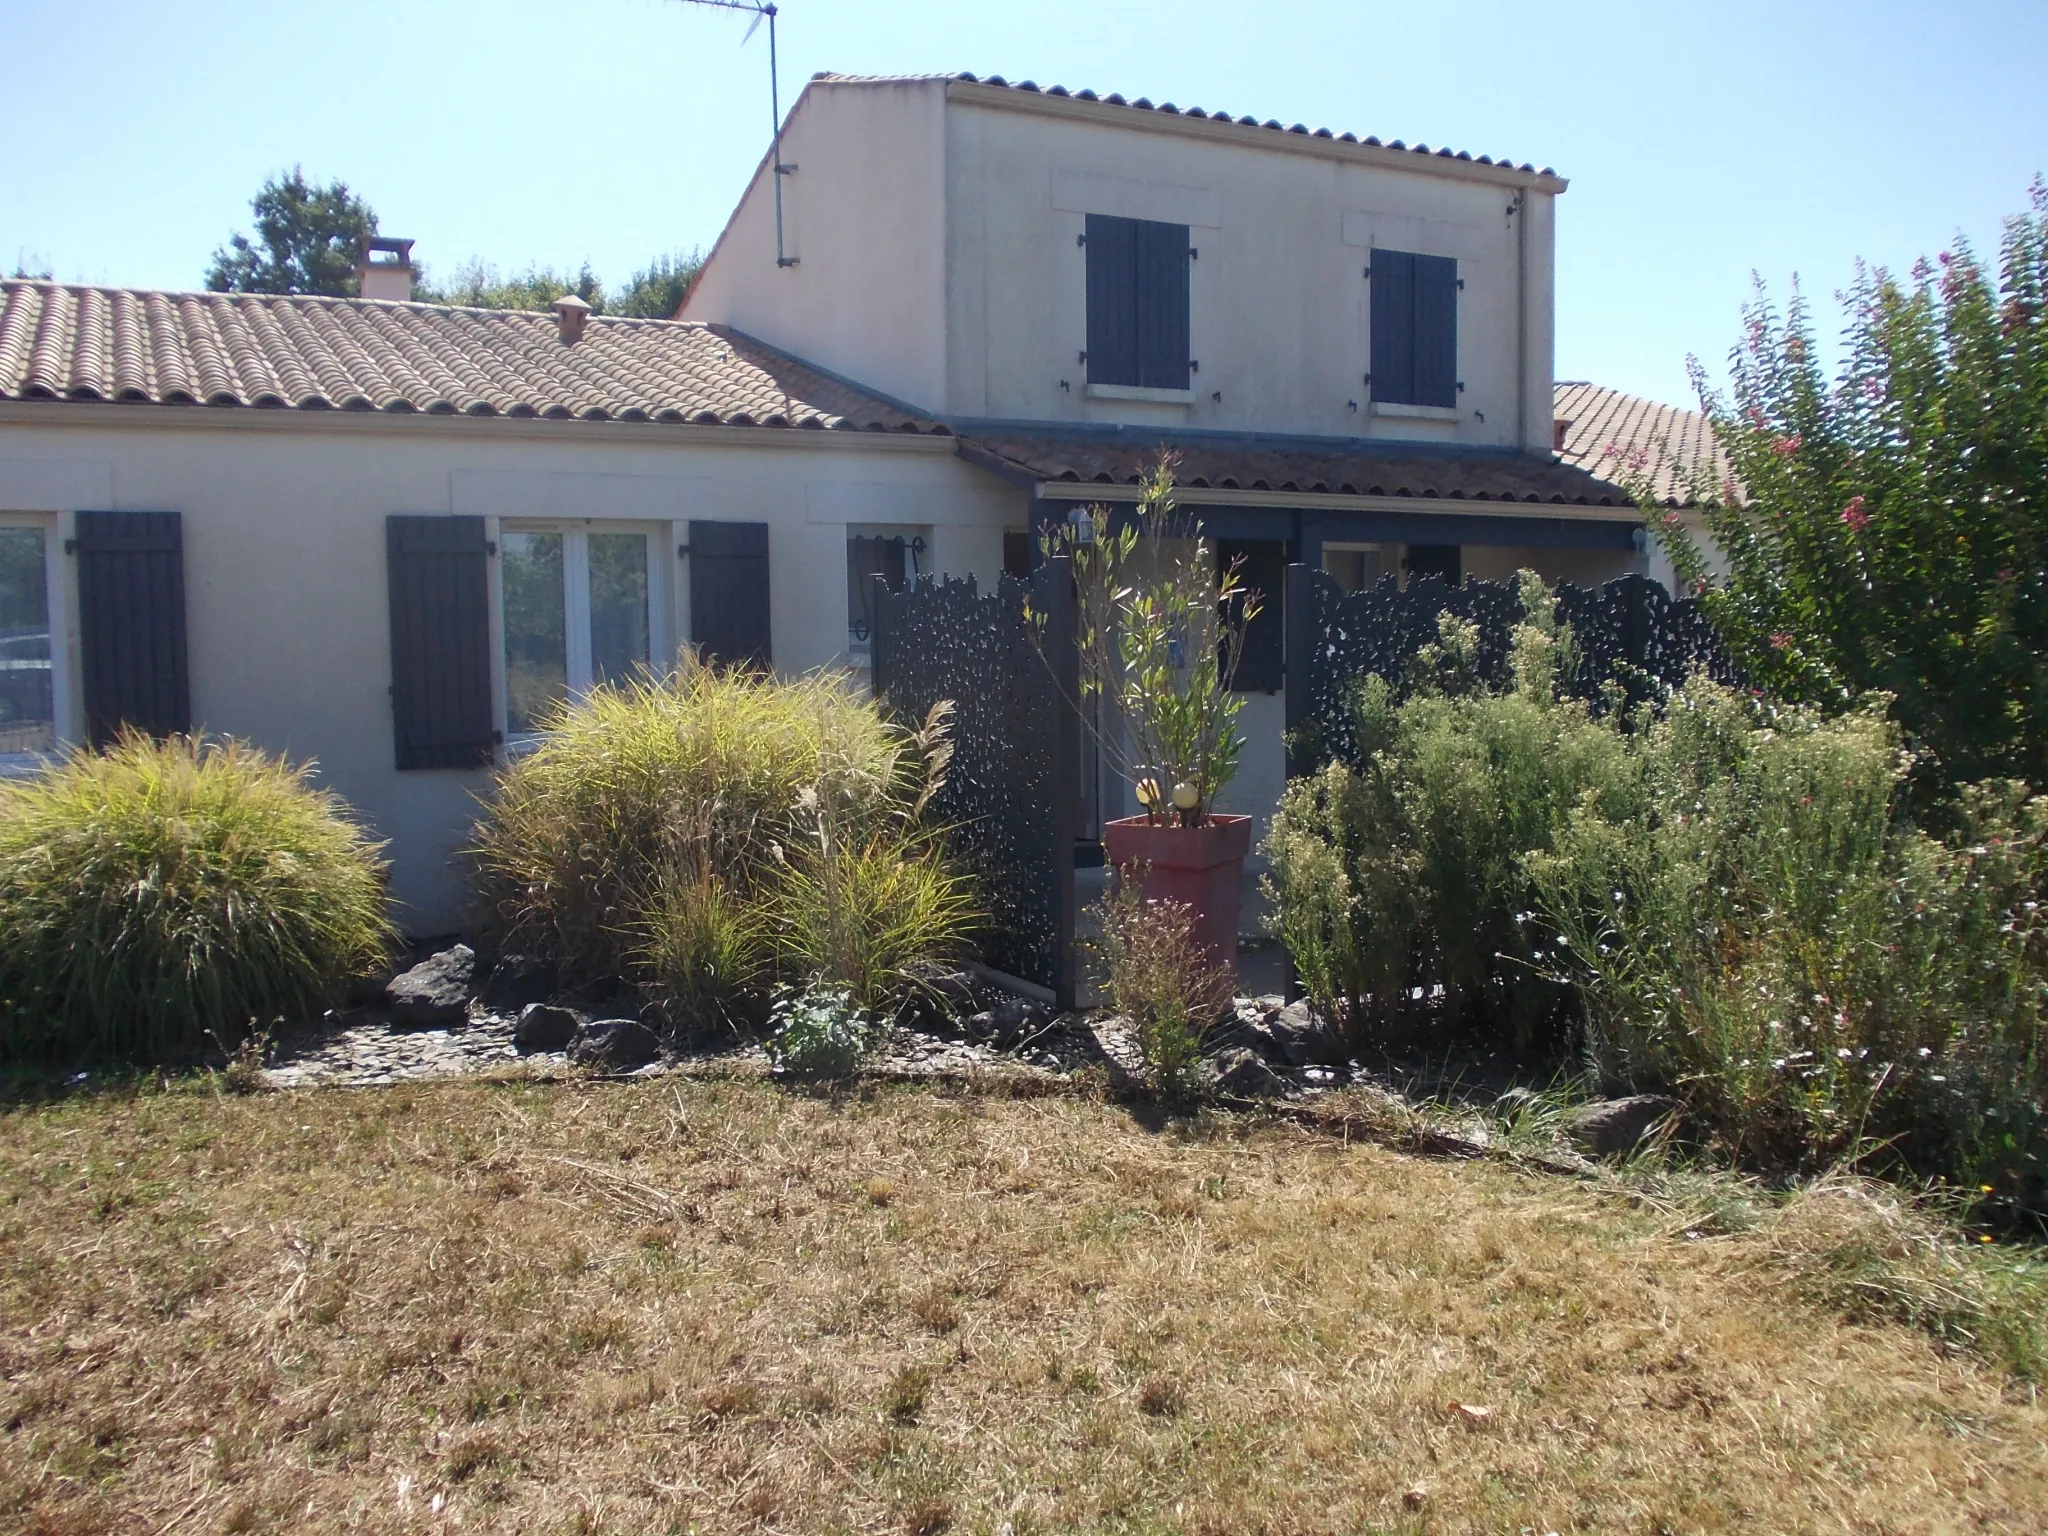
<point x="990" y="253"/>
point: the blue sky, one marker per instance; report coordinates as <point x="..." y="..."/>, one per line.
<point x="1703" y="141"/>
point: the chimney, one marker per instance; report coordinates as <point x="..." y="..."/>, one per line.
<point x="570" y="315"/>
<point x="384" y="269"/>
<point x="1559" y="431"/>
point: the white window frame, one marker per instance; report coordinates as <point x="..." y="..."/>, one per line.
<point x="63" y="711"/>
<point x="575" y="533"/>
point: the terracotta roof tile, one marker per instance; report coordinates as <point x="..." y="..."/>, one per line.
<point x="1141" y="104"/>
<point x="1368" y="469"/>
<point x="64" y="342"/>
<point x="1604" y="429"/>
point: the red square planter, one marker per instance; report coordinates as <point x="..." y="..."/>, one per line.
<point x="1202" y="866"/>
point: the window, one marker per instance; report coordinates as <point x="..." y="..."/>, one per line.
<point x="1414" y="329"/>
<point x="897" y="554"/>
<point x="28" y="695"/>
<point x="1137" y="303"/>
<point x="576" y="614"/>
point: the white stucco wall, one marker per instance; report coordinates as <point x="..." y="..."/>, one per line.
<point x="863" y="216"/>
<point x="286" y="586"/>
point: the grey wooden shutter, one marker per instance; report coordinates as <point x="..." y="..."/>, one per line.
<point x="440" y="641"/>
<point x="1436" y="330"/>
<point x="131" y="621"/>
<point x="1112" y="300"/>
<point x="1161" y="262"/>
<point x="729" y="593"/>
<point x="1414" y="329"/>
<point x="1393" y="327"/>
<point x="1262" y="569"/>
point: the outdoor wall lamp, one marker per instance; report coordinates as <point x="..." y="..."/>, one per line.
<point x="1082" y="524"/>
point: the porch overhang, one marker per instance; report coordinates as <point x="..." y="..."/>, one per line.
<point x="1302" y="524"/>
<point x="1311" y="492"/>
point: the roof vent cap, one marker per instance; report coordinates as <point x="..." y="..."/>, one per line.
<point x="571" y="315"/>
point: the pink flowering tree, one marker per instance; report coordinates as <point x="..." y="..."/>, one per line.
<point x="1887" y="530"/>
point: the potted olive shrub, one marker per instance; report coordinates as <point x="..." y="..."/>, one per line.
<point x="1161" y="631"/>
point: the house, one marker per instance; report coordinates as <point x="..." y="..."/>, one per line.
<point x="1348" y="343"/>
<point x="382" y="534"/>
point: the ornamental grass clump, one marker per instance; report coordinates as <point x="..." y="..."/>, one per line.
<point x="714" y="834"/>
<point x="162" y="898"/>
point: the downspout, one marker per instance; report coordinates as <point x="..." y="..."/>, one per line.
<point x="1519" y="212"/>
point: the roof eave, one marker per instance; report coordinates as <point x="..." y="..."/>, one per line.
<point x="151" y="415"/>
<point x="1007" y="98"/>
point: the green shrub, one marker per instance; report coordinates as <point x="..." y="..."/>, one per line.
<point x="1159" y="976"/>
<point x="1729" y="895"/>
<point x="714" y="832"/>
<point x="819" y="1032"/>
<point x="159" y="897"/>
<point x="1407" y="870"/>
<point x="1771" y="937"/>
<point x="1882" y="530"/>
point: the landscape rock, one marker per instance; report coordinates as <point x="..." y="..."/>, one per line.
<point x="543" y="1027"/>
<point x="435" y="993"/>
<point x="1297" y="1036"/>
<point x="517" y="981"/>
<point x="1245" y="1074"/>
<point x="616" y="1045"/>
<point x="1614" y="1127"/>
<point x="1010" y="1022"/>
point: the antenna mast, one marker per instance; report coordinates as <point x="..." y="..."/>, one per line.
<point x="759" y="9"/>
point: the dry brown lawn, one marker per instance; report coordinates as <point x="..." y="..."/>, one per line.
<point x="673" y="1307"/>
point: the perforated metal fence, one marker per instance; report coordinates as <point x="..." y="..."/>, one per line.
<point x="1629" y="633"/>
<point x="1011" y="799"/>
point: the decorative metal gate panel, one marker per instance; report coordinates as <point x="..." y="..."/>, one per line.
<point x="1628" y="632"/>
<point x="1011" y="799"/>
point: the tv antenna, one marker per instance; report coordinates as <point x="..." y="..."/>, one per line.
<point x="760" y="9"/>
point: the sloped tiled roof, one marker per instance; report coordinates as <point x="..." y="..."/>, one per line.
<point x="122" y="345"/>
<point x="1606" y="431"/>
<point x="1141" y="104"/>
<point x="1125" y="460"/>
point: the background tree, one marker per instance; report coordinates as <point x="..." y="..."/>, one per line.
<point x="310" y="239"/>
<point x="477" y="284"/>
<point x="1886" y="531"/>
<point x="656" y="293"/>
